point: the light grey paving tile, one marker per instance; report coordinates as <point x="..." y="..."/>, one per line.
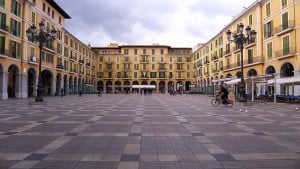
<point x="128" y="165"/>
<point x="25" y="164"/>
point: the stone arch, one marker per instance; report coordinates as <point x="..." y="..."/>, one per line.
<point x="251" y="72"/>
<point x="31" y="86"/>
<point x="161" y="86"/>
<point x="13" y="81"/>
<point x="47" y="79"/>
<point x="287" y="70"/>
<point x="270" y="70"/>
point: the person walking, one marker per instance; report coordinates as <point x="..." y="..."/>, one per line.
<point x="62" y="92"/>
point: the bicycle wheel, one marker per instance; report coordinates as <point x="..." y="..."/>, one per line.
<point x="214" y="102"/>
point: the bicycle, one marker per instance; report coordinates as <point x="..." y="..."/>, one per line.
<point x="218" y="100"/>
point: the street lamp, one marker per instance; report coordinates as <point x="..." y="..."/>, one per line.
<point x="240" y="39"/>
<point x="42" y="37"/>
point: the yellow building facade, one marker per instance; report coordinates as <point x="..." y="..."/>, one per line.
<point x="274" y="53"/>
<point x="162" y="67"/>
<point x="66" y="62"/>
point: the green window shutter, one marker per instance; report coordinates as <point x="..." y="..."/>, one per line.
<point x="265" y="30"/>
<point x="19" y="9"/>
<point x="2" y="3"/>
<point x="272" y="23"/>
<point x="19" y="29"/>
<point x="2" y="45"/>
<point x="18" y="50"/>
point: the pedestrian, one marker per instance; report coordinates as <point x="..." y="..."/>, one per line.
<point x="99" y="92"/>
<point x="80" y="93"/>
<point x="62" y="92"/>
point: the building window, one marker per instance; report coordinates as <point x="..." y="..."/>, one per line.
<point x="52" y="14"/>
<point x="161" y="74"/>
<point x="2" y="45"/>
<point x="270" y="50"/>
<point x="170" y="75"/>
<point x="286" y="45"/>
<point x="16" y="7"/>
<point x="161" y="51"/>
<point x="144" y="52"/>
<point x="171" y="58"/>
<point x="3" y="21"/>
<point x="285" y="21"/>
<point x="100" y="58"/>
<point x="136" y="66"/>
<point x="59" y="48"/>
<point x="268" y="29"/>
<point x="250" y="20"/>
<point x="15" y="49"/>
<point x="152" y="74"/>
<point x="118" y="66"/>
<point x="268" y="9"/>
<point x="283" y="3"/>
<point x="135" y="74"/>
<point x="59" y="20"/>
<point x="153" y="51"/>
<point x="161" y="59"/>
<point x="15" y="27"/>
<point x="33" y="17"/>
<point x="153" y="67"/>
<point x="238" y="59"/>
<point x="171" y="67"/>
<point x="135" y="51"/>
<point x="250" y="56"/>
<point x="2" y="3"/>
<point x="44" y="7"/>
<point x="126" y="51"/>
<point x="153" y="59"/>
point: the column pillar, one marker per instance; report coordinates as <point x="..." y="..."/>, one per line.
<point x="3" y="85"/>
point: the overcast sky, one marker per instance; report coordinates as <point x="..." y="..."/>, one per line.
<point x="178" y="23"/>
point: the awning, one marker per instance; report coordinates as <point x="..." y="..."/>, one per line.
<point x="223" y="79"/>
<point x="286" y="80"/>
<point x="234" y="81"/>
<point x="144" y="86"/>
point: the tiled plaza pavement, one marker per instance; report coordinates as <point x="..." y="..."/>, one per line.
<point x="147" y="132"/>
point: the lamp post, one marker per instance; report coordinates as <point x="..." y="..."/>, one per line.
<point x="42" y="37"/>
<point x="240" y="39"/>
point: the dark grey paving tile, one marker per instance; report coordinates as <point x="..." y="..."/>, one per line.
<point x="71" y="134"/>
<point x="130" y="157"/>
<point x="223" y="157"/>
<point x="36" y="157"/>
<point x="135" y="134"/>
<point x="9" y="133"/>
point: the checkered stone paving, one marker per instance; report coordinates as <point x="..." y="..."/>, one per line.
<point x="160" y="131"/>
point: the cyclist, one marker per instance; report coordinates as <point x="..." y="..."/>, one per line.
<point x="224" y="93"/>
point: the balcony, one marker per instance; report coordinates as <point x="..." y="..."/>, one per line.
<point x="81" y="73"/>
<point x="81" y="61"/>
<point x="227" y="53"/>
<point x="144" y="77"/>
<point x="285" y="53"/>
<point x="215" y="58"/>
<point x="126" y="77"/>
<point x="88" y="64"/>
<point x="180" y="70"/>
<point x="206" y="62"/>
<point x="73" y="58"/>
<point x="284" y="28"/>
<point x="215" y="70"/>
<point x="253" y="60"/>
<point x="72" y="71"/>
<point x="4" y="29"/>
<point x="60" y="67"/>
<point x="109" y="69"/>
<point x="144" y="61"/>
<point x="162" y="69"/>
<point x="4" y="53"/>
